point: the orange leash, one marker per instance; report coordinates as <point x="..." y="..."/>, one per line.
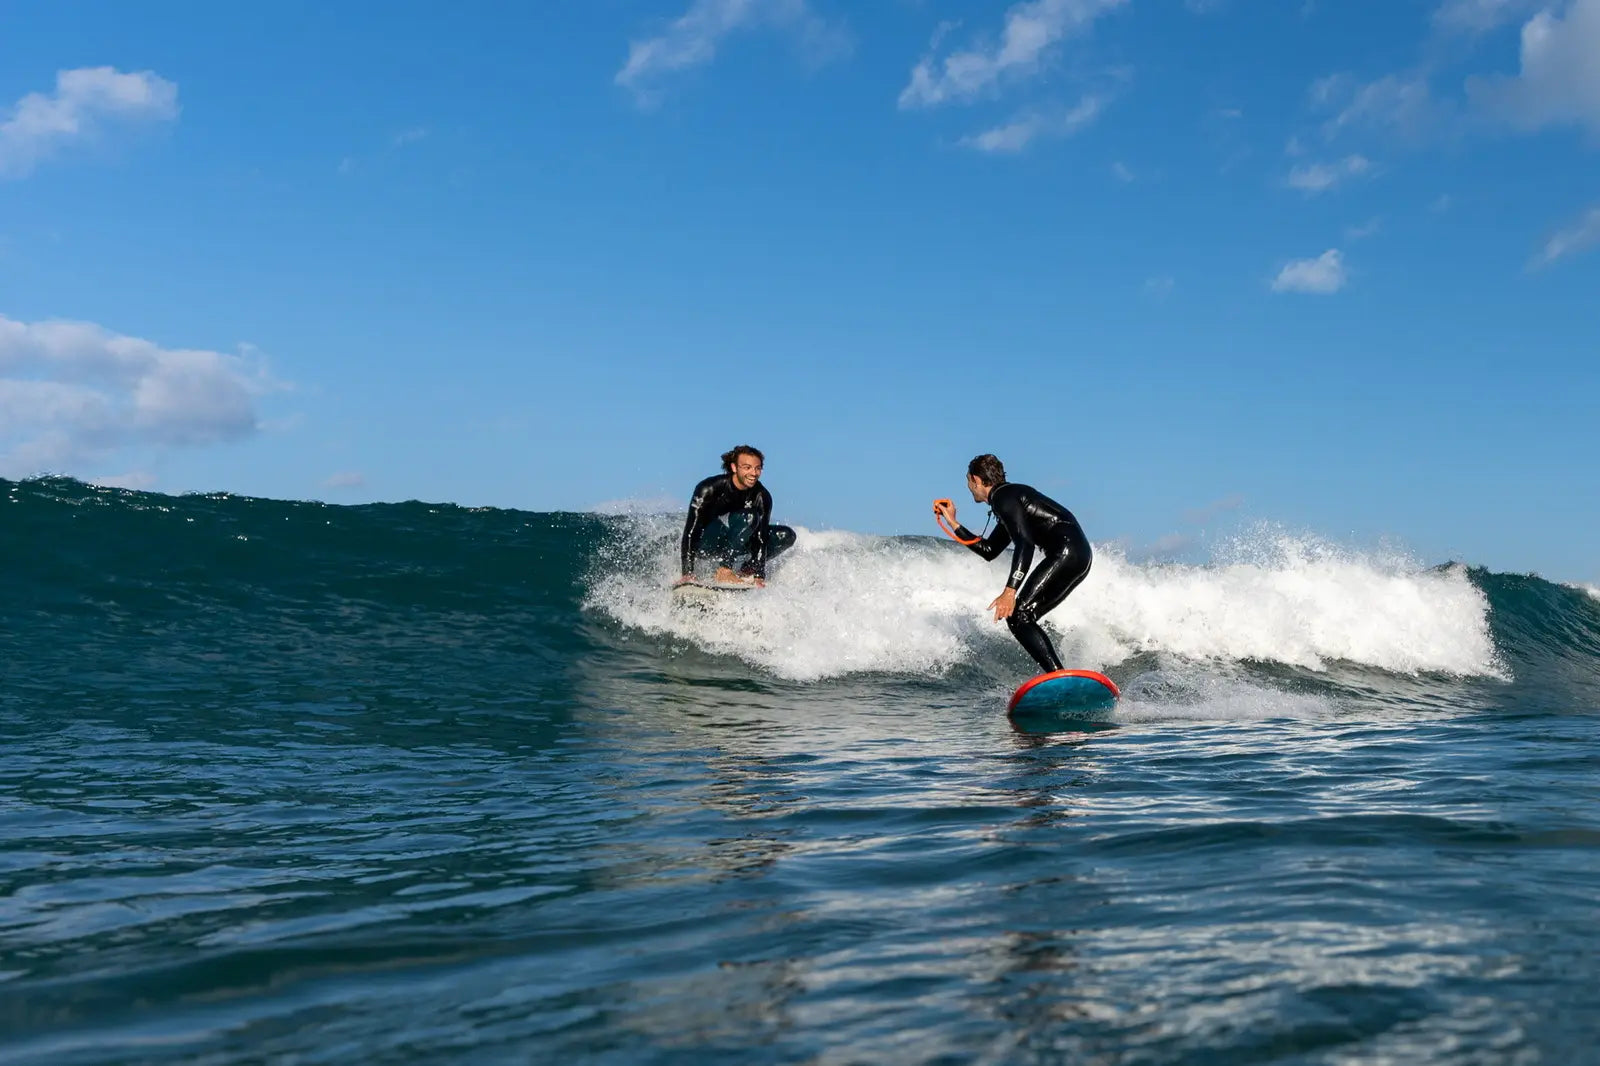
<point x="939" y="518"/>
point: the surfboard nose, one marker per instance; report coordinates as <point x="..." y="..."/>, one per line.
<point x="1066" y="694"/>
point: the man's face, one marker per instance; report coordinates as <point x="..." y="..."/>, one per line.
<point x="746" y="471"/>
<point x="979" y="490"/>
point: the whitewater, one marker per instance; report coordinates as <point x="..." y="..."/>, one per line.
<point x="849" y="603"/>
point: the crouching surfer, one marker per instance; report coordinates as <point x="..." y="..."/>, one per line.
<point x="730" y="518"/>
<point x="1033" y="522"/>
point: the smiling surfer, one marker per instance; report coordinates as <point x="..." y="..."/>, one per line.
<point x="1033" y="522"/>
<point x="730" y="517"/>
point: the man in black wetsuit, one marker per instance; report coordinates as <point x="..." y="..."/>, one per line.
<point x="1031" y="520"/>
<point x="729" y="516"/>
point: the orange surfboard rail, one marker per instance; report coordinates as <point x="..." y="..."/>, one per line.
<point x="1092" y="675"/>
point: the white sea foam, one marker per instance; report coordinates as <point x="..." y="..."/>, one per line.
<point x="842" y="603"/>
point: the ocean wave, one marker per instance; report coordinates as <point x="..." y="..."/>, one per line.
<point x="844" y="603"/>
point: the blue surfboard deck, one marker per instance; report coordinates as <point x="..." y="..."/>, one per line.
<point x="1065" y="695"/>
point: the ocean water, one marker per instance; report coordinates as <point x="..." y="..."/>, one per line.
<point x="295" y="783"/>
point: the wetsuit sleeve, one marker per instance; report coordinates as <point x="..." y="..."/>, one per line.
<point x="1010" y="513"/>
<point x="694" y="527"/>
<point x="761" y="522"/>
<point x="989" y="546"/>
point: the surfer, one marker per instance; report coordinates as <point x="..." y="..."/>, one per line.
<point x="1031" y="520"/>
<point x="729" y="517"/>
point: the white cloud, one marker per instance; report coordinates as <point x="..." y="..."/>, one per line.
<point x="1122" y="173"/>
<point x="1314" y="178"/>
<point x="86" y="101"/>
<point x="1321" y="276"/>
<point x="1580" y="236"/>
<point x="1403" y="104"/>
<point x="1025" y="46"/>
<point x="1560" y="79"/>
<point x="1200" y="516"/>
<point x="1160" y="287"/>
<point x="1363" y="231"/>
<point x="1017" y="134"/>
<point x="1480" y="16"/>
<point x="1165" y="546"/>
<point x="691" y="40"/>
<point x="72" y="393"/>
<point x="345" y="479"/>
<point x="410" y="136"/>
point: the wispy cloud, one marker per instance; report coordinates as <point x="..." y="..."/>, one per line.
<point x="74" y="394"/>
<point x="1160" y="287"/>
<point x="410" y="136"/>
<point x="1017" y="134"/>
<point x="1480" y="16"/>
<point x="1315" y="178"/>
<point x="1200" y="516"/>
<point x="1026" y="45"/>
<point x="1321" y="276"/>
<point x="1580" y="236"/>
<point x="1402" y="104"/>
<point x="1363" y="231"/>
<point x="345" y="479"/>
<point x="1123" y="173"/>
<point x="86" y="102"/>
<point x="1559" y="82"/>
<point x="692" y="39"/>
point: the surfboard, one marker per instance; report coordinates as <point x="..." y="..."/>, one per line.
<point x="705" y="593"/>
<point x="1080" y="695"/>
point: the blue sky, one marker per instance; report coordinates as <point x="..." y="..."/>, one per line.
<point x="1184" y="265"/>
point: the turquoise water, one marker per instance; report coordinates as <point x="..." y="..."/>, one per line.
<point x="286" y="782"/>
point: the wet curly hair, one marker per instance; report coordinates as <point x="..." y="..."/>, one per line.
<point x="988" y="469"/>
<point x="731" y="456"/>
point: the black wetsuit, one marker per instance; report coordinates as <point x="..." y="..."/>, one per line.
<point x="747" y="531"/>
<point x="1033" y="520"/>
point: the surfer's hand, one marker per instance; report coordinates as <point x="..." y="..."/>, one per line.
<point x="947" y="509"/>
<point x="1004" y="604"/>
